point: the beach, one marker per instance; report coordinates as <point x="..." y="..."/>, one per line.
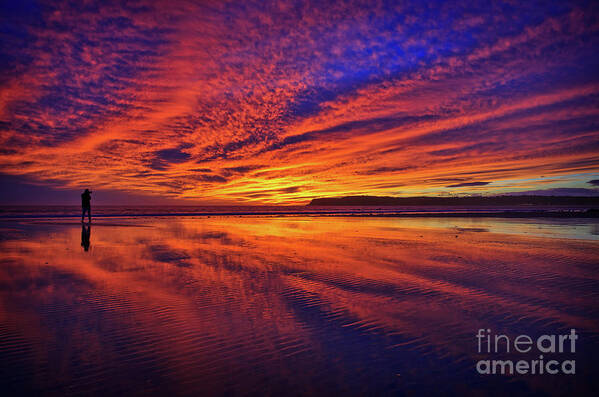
<point x="299" y="198"/>
<point x="261" y="305"/>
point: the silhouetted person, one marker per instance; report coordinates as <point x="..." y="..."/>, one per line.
<point x="86" y="197"/>
<point x="86" y="232"/>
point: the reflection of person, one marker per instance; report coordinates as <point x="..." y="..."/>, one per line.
<point x="86" y="197"/>
<point x="86" y="232"/>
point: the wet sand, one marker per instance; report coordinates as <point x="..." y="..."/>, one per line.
<point x="291" y="305"/>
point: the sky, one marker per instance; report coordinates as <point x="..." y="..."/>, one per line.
<point x="279" y="102"/>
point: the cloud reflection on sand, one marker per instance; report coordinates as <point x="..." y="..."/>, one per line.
<point x="266" y="305"/>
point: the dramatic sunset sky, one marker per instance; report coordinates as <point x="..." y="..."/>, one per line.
<point x="283" y="101"/>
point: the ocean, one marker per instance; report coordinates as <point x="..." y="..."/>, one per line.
<point x="213" y="302"/>
<point x="107" y="211"/>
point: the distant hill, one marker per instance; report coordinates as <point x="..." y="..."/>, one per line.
<point x="455" y="201"/>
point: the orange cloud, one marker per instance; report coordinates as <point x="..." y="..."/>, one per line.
<point x="281" y="104"/>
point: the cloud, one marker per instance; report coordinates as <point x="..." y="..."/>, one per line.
<point x="580" y="192"/>
<point x="208" y="178"/>
<point x="466" y="184"/>
<point x="227" y="101"/>
<point x="594" y="182"/>
<point x="160" y="160"/>
<point x="172" y="155"/>
<point x="243" y="169"/>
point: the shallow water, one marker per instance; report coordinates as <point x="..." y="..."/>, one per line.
<point x="139" y="211"/>
<point x="284" y="306"/>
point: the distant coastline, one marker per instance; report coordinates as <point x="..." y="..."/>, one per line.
<point x="373" y="207"/>
<point x="470" y="201"/>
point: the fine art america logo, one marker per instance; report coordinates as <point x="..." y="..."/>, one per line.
<point x="545" y="349"/>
